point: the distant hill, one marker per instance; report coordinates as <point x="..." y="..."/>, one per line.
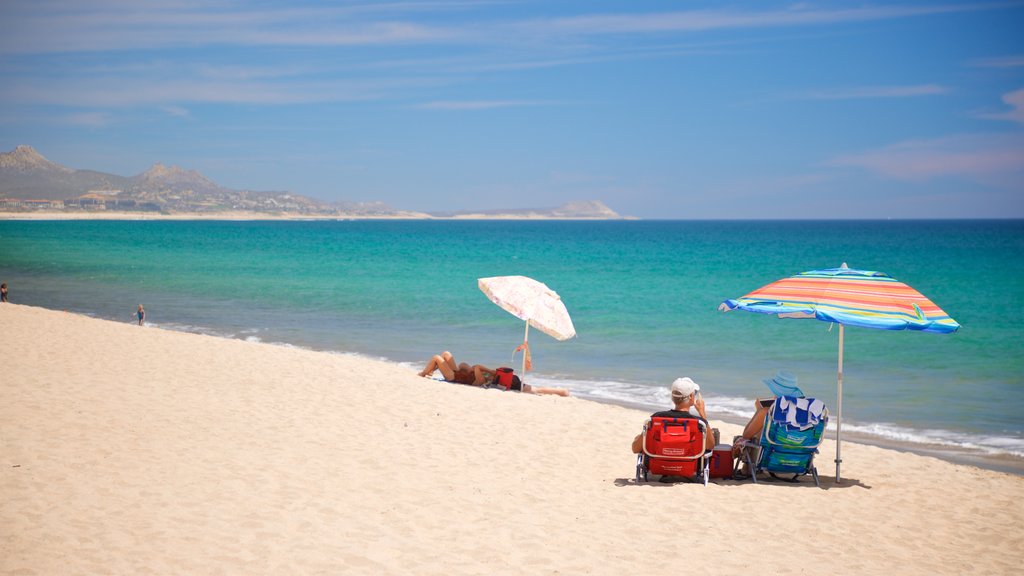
<point x="28" y="181"/>
<point x="26" y="175"/>
<point x="580" y="209"/>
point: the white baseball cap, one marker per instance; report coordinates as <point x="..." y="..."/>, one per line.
<point x="684" y="387"/>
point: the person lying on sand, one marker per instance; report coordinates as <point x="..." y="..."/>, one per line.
<point x="462" y="373"/>
<point x="475" y="375"/>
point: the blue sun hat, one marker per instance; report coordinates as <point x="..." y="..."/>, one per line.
<point x="783" y="384"/>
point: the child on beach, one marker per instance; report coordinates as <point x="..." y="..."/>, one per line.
<point x="141" y="314"/>
<point x="3" y="292"/>
<point x="475" y="375"/>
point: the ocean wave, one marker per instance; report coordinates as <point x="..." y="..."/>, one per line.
<point x="657" y="398"/>
<point x="986" y="444"/>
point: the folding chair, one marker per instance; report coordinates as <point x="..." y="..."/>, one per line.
<point x="793" y="430"/>
<point x="674" y="447"/>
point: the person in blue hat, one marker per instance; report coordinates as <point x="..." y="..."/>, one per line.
<point x="782" y="384"/>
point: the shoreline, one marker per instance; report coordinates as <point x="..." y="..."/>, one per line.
<point x="954" y="454"/>
<point x="1006" y="463"/>
<point x="127" y="449"/>
<point x="291" y="217"/>
<point x="1001" y="462"/>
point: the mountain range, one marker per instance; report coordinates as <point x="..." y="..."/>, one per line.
<point x="29" y="181"/>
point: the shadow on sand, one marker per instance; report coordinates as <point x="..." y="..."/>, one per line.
<point x="827" y="482"/>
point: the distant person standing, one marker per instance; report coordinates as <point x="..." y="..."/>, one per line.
<point x="141" y="313"/>
<point x="3" y="292"/>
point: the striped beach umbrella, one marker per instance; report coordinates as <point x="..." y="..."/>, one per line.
<point x="847" y="297"/>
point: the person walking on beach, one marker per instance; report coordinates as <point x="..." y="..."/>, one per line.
<point x="475" y="375"/>
<point x="141" y="313"/>
<point x="3" y="292"/>
<point x="687" y="403"/>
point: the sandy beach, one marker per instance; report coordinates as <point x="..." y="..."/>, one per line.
<point x="134" y="450"/>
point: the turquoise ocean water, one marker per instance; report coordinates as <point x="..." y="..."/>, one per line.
<point x="643" y="296"/>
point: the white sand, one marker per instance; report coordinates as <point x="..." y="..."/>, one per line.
<point x="128" y="450"/>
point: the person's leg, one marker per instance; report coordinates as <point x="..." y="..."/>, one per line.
<point x="445" y="366"/>
<point x="553" y="391"/>
<point x="438" y="363"/>
<point x="449" y="360"/>
<point x="430" y="367"/>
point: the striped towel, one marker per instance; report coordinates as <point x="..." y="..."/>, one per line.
<point x="800" y="413"/>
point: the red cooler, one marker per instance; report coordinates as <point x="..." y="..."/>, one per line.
<point x="505" y="377"/>
<point x="721" y="461"/>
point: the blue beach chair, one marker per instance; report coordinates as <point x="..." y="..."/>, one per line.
<point x="793" y="430"/>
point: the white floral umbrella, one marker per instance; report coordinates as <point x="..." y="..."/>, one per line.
<point x="532" y="302"/>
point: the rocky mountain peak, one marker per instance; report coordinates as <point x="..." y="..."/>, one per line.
<point x="25" y="158"/>
<point x="157" y="170"/>
<point x="174" y="177"/>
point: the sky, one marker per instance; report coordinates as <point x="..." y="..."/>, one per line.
<point x="659" y="109"/>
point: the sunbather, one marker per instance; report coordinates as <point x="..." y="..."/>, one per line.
<point x="688" y="403"/>
<point x="475" y="375"/>
<point x="461" y="373"/>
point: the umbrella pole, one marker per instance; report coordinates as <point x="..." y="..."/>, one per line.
<point x="839" y="407"/>
<point x="526" y="339"/>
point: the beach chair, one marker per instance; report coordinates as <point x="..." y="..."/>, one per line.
<point x="793" y="430"/>
<point x="673" y="447"/>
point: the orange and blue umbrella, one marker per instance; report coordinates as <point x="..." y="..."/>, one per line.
<point x="851" y="297"/>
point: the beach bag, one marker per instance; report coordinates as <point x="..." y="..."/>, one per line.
<point x="506" y="379"/>
<point x="503" y="377"/>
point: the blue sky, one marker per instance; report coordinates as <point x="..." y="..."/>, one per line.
<point x="692" y="109"/>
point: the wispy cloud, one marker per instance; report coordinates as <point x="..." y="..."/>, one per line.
<point x="996" y="159"/>
<point x="866" y="92"/>
<point x="69" y="26"/>
<point x="477" y="104"/>
<point x="705" y="20"/>
<point x="1015" y="100"/>
<point x="999" y="62"/>
<point x="170" y="93"/>
<point x="49" y="27"/>
<point x="176" y="111"/>
<point x="334" y="70"/>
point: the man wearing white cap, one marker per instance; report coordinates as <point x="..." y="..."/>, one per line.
<point x="686" y="398"/>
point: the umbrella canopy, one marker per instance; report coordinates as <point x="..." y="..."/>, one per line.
<point x="532" y="302"/>
<point x="847" y="297"/>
